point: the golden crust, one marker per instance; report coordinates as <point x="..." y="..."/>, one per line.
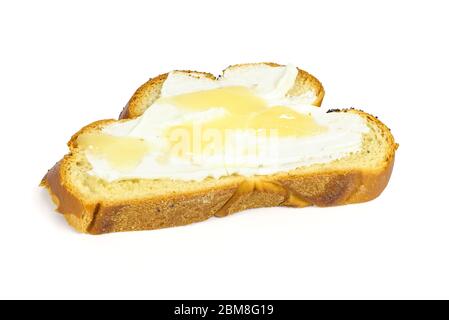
<point x="148" y="92"/>
<point x="320" y="189"/>
<point x="78" y="213"/>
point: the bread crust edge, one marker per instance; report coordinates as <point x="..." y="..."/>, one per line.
<point x="332" y="188"/>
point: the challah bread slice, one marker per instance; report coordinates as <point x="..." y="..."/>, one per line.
<point x="96" y="206"/>
<point x="147" y="93"/>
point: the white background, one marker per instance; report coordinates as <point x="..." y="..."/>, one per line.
<point x="64" y="64"/>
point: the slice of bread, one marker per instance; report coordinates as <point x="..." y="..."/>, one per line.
<point x="93" y="205"/>
<point x="150" y="90"/>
